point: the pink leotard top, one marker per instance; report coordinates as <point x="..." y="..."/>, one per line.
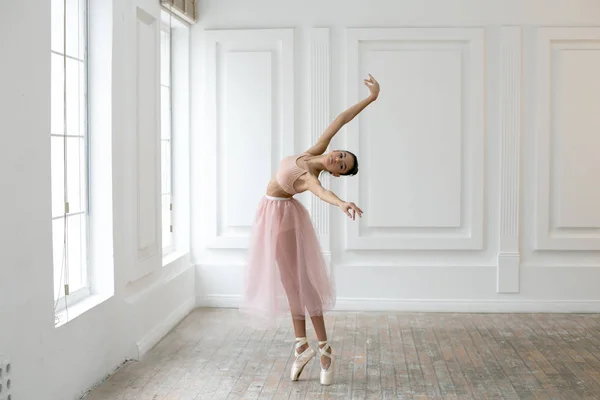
<point x="289" y="172"/>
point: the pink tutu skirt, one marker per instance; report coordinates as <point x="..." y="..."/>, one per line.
<point x="285" y="271"/>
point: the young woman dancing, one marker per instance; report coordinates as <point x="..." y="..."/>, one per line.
<point x="286" y="271"/>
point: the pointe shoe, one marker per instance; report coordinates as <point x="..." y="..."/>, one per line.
<point x="301" y="358"/>
<point x="326" y="373"/>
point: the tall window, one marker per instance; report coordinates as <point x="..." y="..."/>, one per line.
<point x="166" y="138"/>
<point x="69" y="147"/>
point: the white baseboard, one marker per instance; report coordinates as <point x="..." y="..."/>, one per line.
<point x="162" y="329"/>
<point x="469" y="306"/>
<point x="437" y="305"/>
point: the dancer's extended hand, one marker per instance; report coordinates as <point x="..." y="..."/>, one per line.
<point x="346" y="207"/>
<point x="373" y="86"/>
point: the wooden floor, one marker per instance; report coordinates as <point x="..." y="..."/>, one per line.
<point x="213" y="355"/>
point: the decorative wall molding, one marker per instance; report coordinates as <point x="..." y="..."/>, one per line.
<point x="227" y="212"/>
<point x="320" y="119"/>
<point x="461" y="226"/>
<point x="567" y="216"/>
<point x="146" y="58"/>
<point x="510" y="135"/>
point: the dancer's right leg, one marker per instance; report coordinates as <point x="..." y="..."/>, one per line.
<point x="300" y="331"/>
<point x="288" y="269"/>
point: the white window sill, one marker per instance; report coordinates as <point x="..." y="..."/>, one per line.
<point x="173" y="257"/>
<point x="174" y="264"/>
<point x="89" y="302"/>
<point x="80" y="308"/>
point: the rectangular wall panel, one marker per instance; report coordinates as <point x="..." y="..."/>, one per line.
<point x="250" y="125"/>
<point x="421" y="145"/>
<point x="147" y="128"/>
<point x="146" y="56"/>
<point x="413" y="138"/>
<point x="567" y="126"/>
<point x="245" y="144"/>
<point x="576" y="138"/>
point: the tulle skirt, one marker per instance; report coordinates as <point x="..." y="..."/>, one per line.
<point x="285" y="270"/>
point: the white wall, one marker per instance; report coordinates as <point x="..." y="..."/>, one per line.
<point x="61" y="363"/>
<point x="477" y="179"/>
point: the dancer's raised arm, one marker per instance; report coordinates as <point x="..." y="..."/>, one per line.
<point x="345" y="117"/>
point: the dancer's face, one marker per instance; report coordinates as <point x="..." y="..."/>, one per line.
<point x="339" y="162"/>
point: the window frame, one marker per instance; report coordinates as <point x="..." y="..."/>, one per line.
<point x="180" y="97"/>
<point x="165" y="28"/>
<point x="63" y="302"/>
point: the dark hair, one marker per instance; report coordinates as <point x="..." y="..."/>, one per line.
<point x="354" y="169"/>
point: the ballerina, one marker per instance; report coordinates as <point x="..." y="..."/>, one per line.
<point x="286" y="272"/>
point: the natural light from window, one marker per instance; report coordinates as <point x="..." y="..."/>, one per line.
<point x="166" y="138"/>
<point x="69" y="147"/>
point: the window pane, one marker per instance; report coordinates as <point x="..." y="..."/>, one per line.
<point x="165" y="112"/>
<point x="76" y="174"/>
<point x="165" y="58"/>
<point x="77" y="253"/>
<point x="166" y="221"/>
<point x="75" y="256"/>
<point x="56" y="86"/>
<point x="57" y="244"/>
<point x="57" y="25"/>
<point x="74" y="99"/>
<point x="75" y="27"/>
<point x="169" y="151"/>
<point x="165" y="146"/>
<point x="75" y="96"/>
<point x="82" y="98"/>
<point x="58" y="179"/>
